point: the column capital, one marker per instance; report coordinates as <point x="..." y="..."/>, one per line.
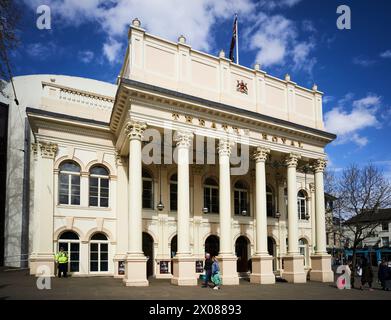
<point x="225" y="147"/>
<point x="135" y="129"/>
<point x="292" y="159"/>
<point x="261" y="154"/>
<point x="183" y="138"/>
<point x="47" y="149"/>
<point x="320" y="165"/>
<point x="312" y="187"/>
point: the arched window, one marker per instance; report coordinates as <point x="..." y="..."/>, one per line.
<point x="174" y="192"/>
<point x="147" y="190"/>
<point x="241" y="206"/>
<point x="302" y="205"/>
<point x="211" y="196"/>
<point x="99" y="187"/>
<point x="70" y="242"/>
<point x="303" y="248"/>
<point x="69" y="183"/>
<point x="269" y="202"/>
<point x="99" y="253"/>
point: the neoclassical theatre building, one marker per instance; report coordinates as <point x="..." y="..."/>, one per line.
<point x="191" y="154"/>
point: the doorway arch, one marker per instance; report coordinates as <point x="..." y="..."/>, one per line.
<point x="212" y="245"/>
<point x="174" y="249"/>
<point x="148" y="252"/>
<point x="271" y="248"/>
<point x="242" y="252"/>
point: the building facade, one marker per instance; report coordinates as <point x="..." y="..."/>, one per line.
<point x="192" y="154"/>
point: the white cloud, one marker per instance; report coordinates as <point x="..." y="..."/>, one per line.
<point x="167" y="19"/>
<point x="42" y="51"/>
<point x="308" y="26"/>
<point x="363" y="61"/>
<point x="327" y="99"/>
<point x="274" y="4"/>
<point x="86" y="56"/>
<point x="112" y="50"/>
<point x="347" y="125"/>
<point x="386" y="54"/>
<point x="276" y="39"/>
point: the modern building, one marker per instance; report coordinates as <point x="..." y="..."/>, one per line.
<point x="189" y="153"/>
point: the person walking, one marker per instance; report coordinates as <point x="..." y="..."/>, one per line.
<point x="62" y="263"/>
<point x="367" y="274"/>
<point x="208" y="270"/>
<point x="216" y="278"/>
<point x="383" y="273"/>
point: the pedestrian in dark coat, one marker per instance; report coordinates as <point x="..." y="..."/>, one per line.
<point x="367" y="275"/>
<point x="383" y="273"/>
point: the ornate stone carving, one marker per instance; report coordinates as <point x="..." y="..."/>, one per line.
<point x="225" y="147"/>
<point x="292" y="159"/>
<point x="119" y="160"/>
<point x="261" y="154"/>
<point x="48" y="149"/>
<point x="135" y="129"/>
<point x="320" y="165"/>
<point x="183" y="138"/>
<point x="312" y="187"/>
<point x="189" y="119"/>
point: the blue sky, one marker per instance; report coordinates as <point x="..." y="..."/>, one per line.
<point x="300" y="37"/>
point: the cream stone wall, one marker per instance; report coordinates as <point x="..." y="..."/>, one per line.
<point x="84" y="97"/>
<point x="176" y="66"/>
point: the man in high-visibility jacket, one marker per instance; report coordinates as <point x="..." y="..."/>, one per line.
<point x="62" y="262"/>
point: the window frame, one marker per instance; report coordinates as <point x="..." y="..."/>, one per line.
<point x="270" y="194"/>
<point x="300" y="201"/>
<point x="99" y="252"/>
<point x="152" y="200"/>
<point x="68" y="242"/>
<point x="69" y="175"/>
<point x="100" y="178"/>
<point x="173" y="199"/>
<point x="209" y="188"/>
<point x="240" y="192"/>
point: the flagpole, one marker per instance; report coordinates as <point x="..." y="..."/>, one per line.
<point x="237" y="40"/>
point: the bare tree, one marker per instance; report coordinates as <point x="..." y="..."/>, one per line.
<point x="361" y="193"/>
<point x="9" y="18"/>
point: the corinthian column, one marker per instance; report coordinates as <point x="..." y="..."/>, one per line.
<point x="321" y="261"/>
<point x="184" y="262"/>
<point x="262" y="262"/>
<point x="42" y="257"/>
<point x="136" y="268"/>
<point x="293" y="262"/>
<point x="227" y="258"/>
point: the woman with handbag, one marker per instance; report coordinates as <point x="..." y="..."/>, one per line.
<point x="216" y="278"/>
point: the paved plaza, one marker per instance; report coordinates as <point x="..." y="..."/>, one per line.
<point x="18" y="284"/>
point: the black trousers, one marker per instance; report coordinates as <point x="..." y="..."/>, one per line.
<point x="62" y="268"/>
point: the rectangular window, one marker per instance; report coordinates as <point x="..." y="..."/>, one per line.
<point x="173" y="197"/>
<point x="147" y="194"/>
<point x="385" y="241"/>
<point x="384" y="226"/>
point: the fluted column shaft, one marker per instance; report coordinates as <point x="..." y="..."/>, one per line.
<point x="225" y="196"/>
<point x="293" y="245"/>
<point x="183" y="140"/>
<point x="135" y="130"/>
<point x="320" y="165"/>
<point x="261" y="208"/>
